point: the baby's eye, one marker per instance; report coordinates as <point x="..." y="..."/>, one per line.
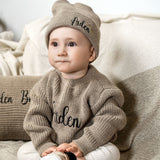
<point x="72" y="44"/>
<point x="55" y="44"/>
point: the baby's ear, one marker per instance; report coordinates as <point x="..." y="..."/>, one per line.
<point x="93" y="54"/>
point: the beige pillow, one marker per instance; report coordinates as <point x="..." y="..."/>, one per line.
<point x="14" y="103"/>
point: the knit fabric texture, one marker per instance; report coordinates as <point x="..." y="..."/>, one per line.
<point x="14" y="104"/>
<point x="86" y="111"/>
<point x="77" y="16"/>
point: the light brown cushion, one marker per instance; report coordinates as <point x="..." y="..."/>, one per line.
<point x="14" y="103"/>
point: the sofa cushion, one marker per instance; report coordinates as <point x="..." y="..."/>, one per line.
<point x="14" y="103"/>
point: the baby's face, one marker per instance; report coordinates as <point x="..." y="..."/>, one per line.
<point x="70" y="52"/>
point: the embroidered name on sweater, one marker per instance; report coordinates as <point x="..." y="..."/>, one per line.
<point x="66" y="120"/>
<point x="77" y="22"/>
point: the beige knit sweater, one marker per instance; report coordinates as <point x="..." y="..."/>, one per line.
<point x="86" y="111"/>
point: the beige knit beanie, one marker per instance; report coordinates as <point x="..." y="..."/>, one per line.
<point x="77" y="16"/>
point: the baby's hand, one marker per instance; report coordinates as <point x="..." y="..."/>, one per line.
<point x="75" y="150"/>
<point x="70" y="147"/>
<point x="48" y="150"/>
<point x="63" y="147"/>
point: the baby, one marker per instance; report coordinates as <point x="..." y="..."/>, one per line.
<point x="74" y="108"/>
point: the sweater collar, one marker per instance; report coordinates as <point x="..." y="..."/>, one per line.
<point x="85" y="79"/>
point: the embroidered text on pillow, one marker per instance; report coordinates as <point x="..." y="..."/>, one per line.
<point x="82" y="24"/>
<point x="5" y="99"/>
<point x="23" y="98"/>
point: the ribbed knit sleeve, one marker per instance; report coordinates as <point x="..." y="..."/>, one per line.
<point x="107" y="120"/>
<point x="38" y="119"/>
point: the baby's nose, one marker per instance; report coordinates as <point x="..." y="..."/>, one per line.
<point x="62" y="52"/>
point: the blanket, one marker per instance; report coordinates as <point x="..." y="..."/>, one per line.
<point x="9" y="149"/>
<point x="11" y="53"/>
<point x="140" y="140"/>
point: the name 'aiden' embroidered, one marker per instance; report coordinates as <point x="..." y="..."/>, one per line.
<point x="66" y="121"/>
<point x="82" y="24"/>
<point x="22" y="98"/>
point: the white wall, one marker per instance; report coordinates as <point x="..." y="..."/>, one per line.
<point x="17" y="13"/>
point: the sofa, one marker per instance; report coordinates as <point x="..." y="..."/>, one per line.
<point x="129" y="57"/>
